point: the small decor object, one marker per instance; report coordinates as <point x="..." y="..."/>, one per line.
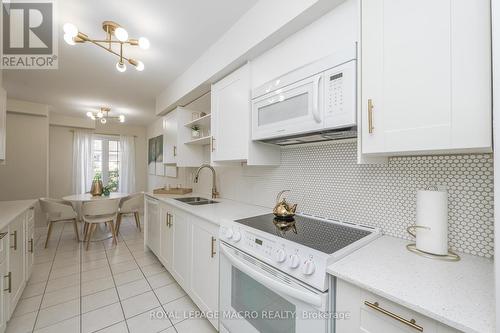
<point x="195" y="115"/>
<point x="96" y="188"/>
<point x="195" y="131"/>
<point x="283" y="210"/>
<point x="73" y="36"/>
<point x="431" y="229"/>
<point x="155" y="156"/>
<point x="106" y="191"/>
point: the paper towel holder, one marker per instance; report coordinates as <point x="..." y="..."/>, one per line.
<point x="451" y="256"/>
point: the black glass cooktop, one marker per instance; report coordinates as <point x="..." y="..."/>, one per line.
<point x="317" y="234"/>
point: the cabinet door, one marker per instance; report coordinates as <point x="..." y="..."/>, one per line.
<point x="29" y="242"/>
<point x="181" y="247"/>
<point x="205" y="268"/>
<point x="231" y="116"/>
<point x="425" y="76"/>
<point x="4" y="296"/>
<point x="166" y="240"/>
<point x="170" y="138"/>
<point x="16" y="259"/>
<point x="3" y="122"/>
<point x="152" y="220"/>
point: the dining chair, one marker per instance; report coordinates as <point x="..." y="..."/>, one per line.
<point x="58" y="211"/>
<point x="130" y="205"/>
<point x="99" y="211"/>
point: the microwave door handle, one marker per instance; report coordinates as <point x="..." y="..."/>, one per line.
<point x="316" y="88"/>
<point x="306" y="297"/>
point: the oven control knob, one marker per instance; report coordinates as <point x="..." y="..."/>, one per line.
<point x="294" y="261"/>
<point x="280" y="255"/>
<point x="236" y="236"/>
<point x="309" y="267"/>
<point x="229" y="233"/>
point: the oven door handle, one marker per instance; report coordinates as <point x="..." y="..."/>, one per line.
<point x="307" y="297"/>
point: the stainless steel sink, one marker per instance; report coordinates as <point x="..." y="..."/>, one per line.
<point x="196" y="201"/>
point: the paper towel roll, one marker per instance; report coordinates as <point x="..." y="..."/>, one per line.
<point x="432" y="221"/>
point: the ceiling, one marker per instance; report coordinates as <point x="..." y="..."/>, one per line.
<point x="179" y="32"/>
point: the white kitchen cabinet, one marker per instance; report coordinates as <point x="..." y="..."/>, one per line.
<point x="3" y="122"/>
<point x="17" y="260"/>
<point x="4" y="279"/>
<point x="152" y="225"/>
<point x="231" y="125"/>
<point x="425" y="76"/>
<point x="363" y="318"/>
<point x="166" y="235"/>
<point x="177" y="146"/>
<point x="205" y="267"/>
<point x="29" y="242"/>
<point x="181" y="226"/>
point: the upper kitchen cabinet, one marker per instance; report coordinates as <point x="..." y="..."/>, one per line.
<point x="3" y="122"/>
<point x="179" y="148"/>
<point x="230" y="123"/>
<point x="425" y="76"/>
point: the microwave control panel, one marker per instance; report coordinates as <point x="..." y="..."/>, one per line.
<point x="340" y="95"/>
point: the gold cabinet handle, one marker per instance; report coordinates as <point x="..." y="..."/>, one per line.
<point x="15" y="240"/>
<point x="9" y="277"/>
<point x="213" y="143"/>
<point x="175" y="151"/>
<point x="411" y="323"/>
<point x="3" y="234"/>
<point x="170" y="220"/>
<point x="31" y="245"/>
<point x="166" y="221"/>
<point x="213" y="247"/>
<point x="370" y="116"/>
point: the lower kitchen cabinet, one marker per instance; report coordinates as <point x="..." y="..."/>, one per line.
<point x="205" y="267"/>
<point x="188" y="248"/>
<point x="370" y="313"/>
<point x="17" y="260"/>
<point x="181" y="248"/>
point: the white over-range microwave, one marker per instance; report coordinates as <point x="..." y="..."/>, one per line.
<point x="316" y="102"/>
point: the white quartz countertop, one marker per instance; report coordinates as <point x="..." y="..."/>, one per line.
<point x="458" y="294"/>
<point x="9" y="210"/>
<point x="225" y="209"/>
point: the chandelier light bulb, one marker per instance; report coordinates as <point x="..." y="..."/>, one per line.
<point x="121" y="34"/>
<point x="70" y="30"/>
<point x="122" y="118"/>
<point x="89" y="114"/>
<point x="103" y="120"/>
<point x="68" y="39"/>
<point x="120" y="67"/>
<point x="144" y="43"/>
<point x="92" y="117"/>
<point x="140" y="66"/>
<point x="100" y="114"/>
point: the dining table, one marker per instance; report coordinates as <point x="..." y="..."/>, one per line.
<point x="77" y="200"/>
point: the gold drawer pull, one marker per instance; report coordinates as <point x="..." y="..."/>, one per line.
<point x="15" y="240"/>
<point x="370" y="117"/>
<point x="31" y="245"/>
<point x="3" y="234"/>
<point x="9" y="277"/>
<point x="213" y="247"/>
<point x="412" y="323"/>
<point x="213" y="144"/>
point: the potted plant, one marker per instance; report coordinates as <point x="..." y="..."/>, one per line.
<point x="106" y="191"/>
<point x="195" y="131"/>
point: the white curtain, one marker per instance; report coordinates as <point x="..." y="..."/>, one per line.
<point x="83" y="172"/>
<point x="127" y="164"/>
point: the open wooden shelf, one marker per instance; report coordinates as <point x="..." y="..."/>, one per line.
<point x="202" y="121"/>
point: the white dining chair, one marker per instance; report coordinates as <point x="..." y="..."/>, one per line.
<point x="130" y="205"/>
<point x="99" y="211"/>
<point x="58" y="211"/>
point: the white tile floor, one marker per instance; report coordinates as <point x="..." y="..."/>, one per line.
<point x="108" y="288"/>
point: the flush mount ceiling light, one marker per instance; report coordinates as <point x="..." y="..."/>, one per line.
<point x="72" y="36"/>
<point x="103" y="116"/>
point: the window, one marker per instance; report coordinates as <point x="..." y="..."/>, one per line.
<point x="107" y="160"/>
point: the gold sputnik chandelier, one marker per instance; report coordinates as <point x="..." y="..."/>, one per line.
<point x="72" y="36"/>
<point x="103" y="115"/>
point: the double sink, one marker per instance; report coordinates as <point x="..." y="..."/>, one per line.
<point x="196" y="201"/>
